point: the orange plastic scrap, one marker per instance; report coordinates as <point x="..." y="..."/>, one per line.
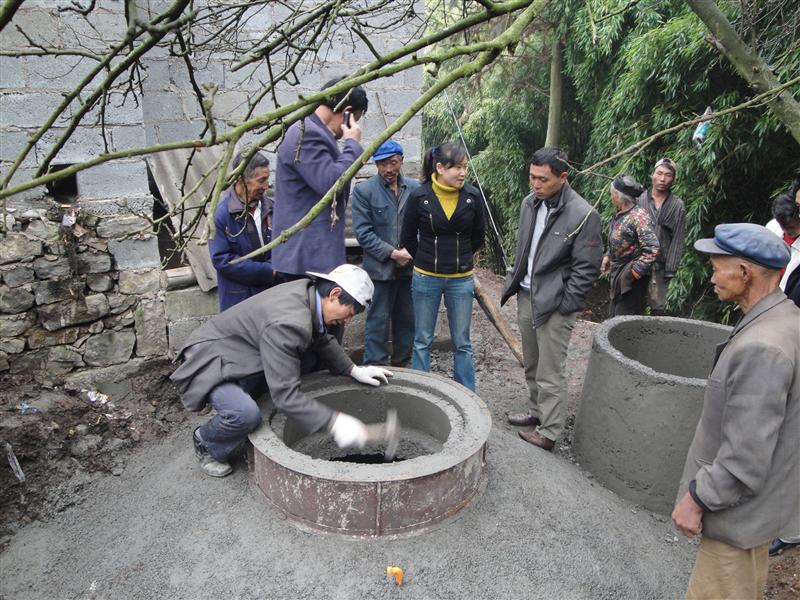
<point x="395" y="572"/>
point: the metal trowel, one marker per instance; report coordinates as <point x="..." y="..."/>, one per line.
<point x="387" y="433"/>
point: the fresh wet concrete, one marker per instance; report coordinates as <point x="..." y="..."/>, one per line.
<point x="638" y="416"/>
<point x="443" y="429"/>
<point x="540" y="528"/>
<point x="413" y="444"/>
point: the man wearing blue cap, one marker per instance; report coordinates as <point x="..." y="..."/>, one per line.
<point x="741" y="483"/>
<point x="378" y="207"/>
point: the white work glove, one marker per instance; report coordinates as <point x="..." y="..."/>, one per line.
<point x="371" y="375"/>
<point x="348" y="431"/>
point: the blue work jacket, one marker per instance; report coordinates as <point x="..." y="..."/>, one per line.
<point x="236" y="236"/>
<point x="377" y="221"/>
<point x="308" y="164"/>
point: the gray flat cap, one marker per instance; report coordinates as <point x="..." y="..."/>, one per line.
<point x="747" y="240"/>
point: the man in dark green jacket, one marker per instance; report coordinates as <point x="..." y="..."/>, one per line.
<point x="559" y="250"/>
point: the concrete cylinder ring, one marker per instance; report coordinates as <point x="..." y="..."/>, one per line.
<point x="322" y="488"/>
<point x="641" y="402"/>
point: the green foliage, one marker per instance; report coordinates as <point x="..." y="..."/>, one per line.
<point x="503" y="117"/>
<point x="635" y="74"/>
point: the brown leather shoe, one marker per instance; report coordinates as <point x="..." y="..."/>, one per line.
<point x="523" y="419"/>
<point x="537" y="439"/>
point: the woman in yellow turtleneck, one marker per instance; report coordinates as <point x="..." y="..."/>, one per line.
<point x="443" y="227"/>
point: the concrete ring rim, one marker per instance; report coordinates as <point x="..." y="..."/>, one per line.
<point x="476" y="433"/>
<point x="603" y="344"/>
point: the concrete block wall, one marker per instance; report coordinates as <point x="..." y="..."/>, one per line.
<point x="90" y="294"/>
<point x="32" y="86"/>
<point x="172" y="111"/>
<point x="186" y="310"/>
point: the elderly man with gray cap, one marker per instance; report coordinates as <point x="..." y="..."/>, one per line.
<point x="741" y="483"/>
<point x="378" y="207"/>
<point x="668" y="214"/>
<point x="266" y="343"/>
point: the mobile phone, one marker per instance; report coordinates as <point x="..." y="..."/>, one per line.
<point x="347" y="115"/>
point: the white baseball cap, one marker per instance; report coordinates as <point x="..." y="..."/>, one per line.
<point x="352" y="279"/>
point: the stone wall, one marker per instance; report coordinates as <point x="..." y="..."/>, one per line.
<point x="90" y="294"/>
<point x="77" y="294"/>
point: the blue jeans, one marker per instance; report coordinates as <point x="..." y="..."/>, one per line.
<point x="427" y="292"/>
<point x="391" y="302"/>
<point x="237" y="415"/>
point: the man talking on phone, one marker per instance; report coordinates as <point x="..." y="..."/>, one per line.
<point x="309" y="163"/>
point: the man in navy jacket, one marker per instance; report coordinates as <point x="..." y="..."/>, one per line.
<point x="308" y="164"/>
<point x="243" y="223"/>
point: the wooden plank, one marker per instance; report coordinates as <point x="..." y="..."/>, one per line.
<point x="168" y="169"/>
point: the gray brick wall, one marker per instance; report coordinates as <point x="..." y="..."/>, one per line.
<point x="31" y="86"/>
<point x="114" y="179"/>
<point x="166" y="111"/>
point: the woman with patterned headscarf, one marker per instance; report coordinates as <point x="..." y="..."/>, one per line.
<point x="632" y="249"/>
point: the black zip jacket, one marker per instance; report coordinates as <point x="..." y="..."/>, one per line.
<point x="439" y="244"/>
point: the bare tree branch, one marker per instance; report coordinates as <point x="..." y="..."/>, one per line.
<point x="76" y="7"/>
<point x="619" y="11"/>
<point x="491" y="51"/>
<point x="284" y="49"/>
<point x="156" y="33"/>
<point x="131" y="34"/>
<point x="48" y="51"/>
<point x="748" y="64"/>
<point x="640" y="145"/>
<point x="285" y="115"/>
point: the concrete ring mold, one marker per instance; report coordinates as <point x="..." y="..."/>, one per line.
<point x="437" y="473"/>
<point x="641" y="402"/>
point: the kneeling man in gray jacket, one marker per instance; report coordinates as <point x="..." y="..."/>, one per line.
<point x="267" y="342"/>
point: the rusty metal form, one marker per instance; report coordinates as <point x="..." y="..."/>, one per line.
<point x="373" y="500"/>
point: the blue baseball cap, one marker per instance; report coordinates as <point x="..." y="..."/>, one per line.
<point x="747" y="240"/>
<point x="387" y="149"/>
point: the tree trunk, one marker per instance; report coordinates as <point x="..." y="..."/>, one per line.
<point x="7" y="11"/>
<point x="556" y="87"/>
<point x="748" y="63"/>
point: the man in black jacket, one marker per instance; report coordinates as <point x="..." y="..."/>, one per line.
<point x="559" y="250"/>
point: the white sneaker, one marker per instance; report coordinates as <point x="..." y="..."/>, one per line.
<point x="209" y="465"/>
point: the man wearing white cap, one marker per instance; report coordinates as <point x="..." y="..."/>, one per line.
<point x="741" y="483"/>
<point x="267" y="342"/>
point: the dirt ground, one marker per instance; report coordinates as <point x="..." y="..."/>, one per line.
<point x="62" y="440"/>
<point x="68" y="444"/>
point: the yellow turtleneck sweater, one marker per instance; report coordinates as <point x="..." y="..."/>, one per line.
<point x="448" y="199"/>
<point x="448" y="196"/>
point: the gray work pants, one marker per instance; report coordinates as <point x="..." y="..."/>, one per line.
<point x="544" y="352"/>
